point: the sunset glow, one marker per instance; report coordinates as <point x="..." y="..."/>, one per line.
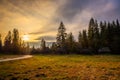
<point x="25" y="38"/>
<point x="41" y="18"/>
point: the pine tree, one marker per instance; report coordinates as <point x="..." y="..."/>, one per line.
<point x="96" y="38"/>
<point x="8" y="39"/>
<point x="61" y="37"/>
<point x="103" y="36"/>
<point x="8" y="42"/>
<point x="15" y="37"/>
<point x="79" y="45"/>
<point x="115" y="47"/>
<point x="43" y="44"/>
<point x="70" y="42"/>
<point x="70" y="38"/>
<point x="118" y="36"/>
<point x="54" y="47"/>
<point x="118" y="28"/>
<point x="84" y="39"/>
<point x="109" y="34"/>
<point x="91" y="33"/>
<point x="80" y="39"/>
<point x="15" y="41"/>
<point x="96" y="30"/>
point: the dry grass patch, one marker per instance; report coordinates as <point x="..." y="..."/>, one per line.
<point x="63" y="67"/>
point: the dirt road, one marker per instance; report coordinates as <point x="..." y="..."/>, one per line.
<point x="17" y="58"/>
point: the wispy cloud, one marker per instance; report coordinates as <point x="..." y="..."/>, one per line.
<point x="48" y="38"/>
<point x="41" y="17"/>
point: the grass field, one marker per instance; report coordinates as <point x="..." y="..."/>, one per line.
<point x="62" y="67"/>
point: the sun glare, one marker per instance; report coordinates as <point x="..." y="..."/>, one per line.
<point x="25" y="37"/>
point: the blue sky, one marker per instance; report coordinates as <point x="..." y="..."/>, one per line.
<point x="41" y="18"/>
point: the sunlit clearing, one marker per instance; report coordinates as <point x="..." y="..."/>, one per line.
<point x="25" y="37"/>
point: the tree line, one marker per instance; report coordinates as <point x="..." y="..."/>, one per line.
<point x="102" y="37"/>
<point x="13" y="44"/>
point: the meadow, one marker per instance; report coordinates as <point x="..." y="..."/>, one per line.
<point x="62" y="67"/>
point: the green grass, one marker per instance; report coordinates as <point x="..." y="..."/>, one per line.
<point x="63" y="67"/>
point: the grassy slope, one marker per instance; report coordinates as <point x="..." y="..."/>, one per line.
<point x="65" y="67"/>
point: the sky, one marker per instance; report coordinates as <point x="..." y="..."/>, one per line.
<point x="41" y="18"/>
